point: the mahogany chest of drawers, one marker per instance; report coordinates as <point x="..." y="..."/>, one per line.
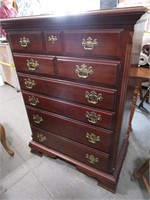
<point x="74" y="75"/>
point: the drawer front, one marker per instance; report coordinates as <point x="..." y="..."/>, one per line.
<point x="83" y="133"/>
<point x="29" y="63"/>
<point x="26" y="41"/>
<point x="82" y="153"/>
<point x="78" y="93"/>
<point x="93" y="42"/>
<point x="75" y="111"/>
<point x="86" y="70"/>
<point x="53" y="41"/>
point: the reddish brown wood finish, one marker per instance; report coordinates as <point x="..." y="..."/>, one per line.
<point x="72" y="149"/>
<point x="72" y="129"/>
<point x="104" y="71"/>
<point x="69" y="91"/>
<point x="104" y="37"/>
<point x="43" y="61"/>
<point x="105" y="180"/>
<point x="53" y="41"/>
<point x="79" y="113"/>
<point x="35" y="44"/>
<point x="101" y="40"/>
<point x="44" y="101"/>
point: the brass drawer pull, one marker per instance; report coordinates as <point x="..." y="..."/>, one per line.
<point x="83" y="71"/>
<point x="41" y="137"/>
<point x="89" y="44"/>
<point x="91" y="159"/>
<point x="33" y="100"/>
<point x="24" y="41"/>
<point x="29" y="83"/>
<point x="32" y="65"/>
<point x="37" y="119"/>
<point x="92" y="138"/>
<point x="52" y="39"/>
<point x="92" y="117"/>
<point x="93" y="97"/>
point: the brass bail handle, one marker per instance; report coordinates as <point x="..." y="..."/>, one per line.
<point x="89" y="43"/>
<point x="83" y="71"/>
<point x="92" y="138"/>
<point x="33" y="100"/>
<point x="24" y="41"/>
<point x="93" y="97"/>
<point x="32" y="64"/>
<point x="92" y="159"/>
<point x="41" y="137"/>
<point x="29" y="83"/>
<point x="93" y="117"/>
<point x="37" y="119"/>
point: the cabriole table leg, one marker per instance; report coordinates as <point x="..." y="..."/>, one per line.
<point x="3" y="141"/>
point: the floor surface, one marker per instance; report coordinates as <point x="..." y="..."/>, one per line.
<point x="29" y="177"/>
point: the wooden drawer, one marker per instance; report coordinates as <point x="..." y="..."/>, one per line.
<point x="26" y="41"/>
<point x="78" y="93"/>
<point x="53" y="41"/>
<point x="75" y="111"/>
<point x="93" y="42"/>
<point x="30" y="63"/>
<point x="80" y="152"/>
<point x="88" y="70"/>
<point x="83" y="133"/>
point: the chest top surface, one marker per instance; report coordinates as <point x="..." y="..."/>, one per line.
<point x="119" y="18"/>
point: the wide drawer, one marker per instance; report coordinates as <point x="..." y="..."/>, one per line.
<point x="26" y="41"/>
<point x="88" y="70"/>
<point x="83" y="133"/>
<point x="30" y="63"/>
<point x="82" y="153"/>
<point x="93" y="42"/>
<point x="78" y="93"/>
<point x="75" y="111"/>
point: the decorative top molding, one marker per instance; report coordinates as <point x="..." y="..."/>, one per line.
<point x="120" y="17"/>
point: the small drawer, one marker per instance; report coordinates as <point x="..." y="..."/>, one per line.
<point x="80" y="152"/>
<point x="76" y="93"/>
<point x="75" y="111"/>
<point x="93" y="42"/>
<point x="53" y="41"/>
<point x="95" y="137"/>
<point x="26" y="41"/>
<point x="29" y="63"/>
<point x="88" y="70"/>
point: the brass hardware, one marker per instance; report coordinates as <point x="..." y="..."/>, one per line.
<point x="24" y="41"/>
<point x="32" y="65"/>
<point x="29" y="83"/>
<point x="83" y="71"/>
<point x="89" y="44"/>
<point x="33" y="100"/>
<point x="92" y="138"/>
<point x="41" y="137"/>
<point x="52" y="39"/>
<point x="92" y="117"/>
<point x="93" y="97"/>
<point x="37" y="119"/>
<point x="91" y="159"/>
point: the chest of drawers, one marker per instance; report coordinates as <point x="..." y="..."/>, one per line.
<point x="74" y="75"/>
